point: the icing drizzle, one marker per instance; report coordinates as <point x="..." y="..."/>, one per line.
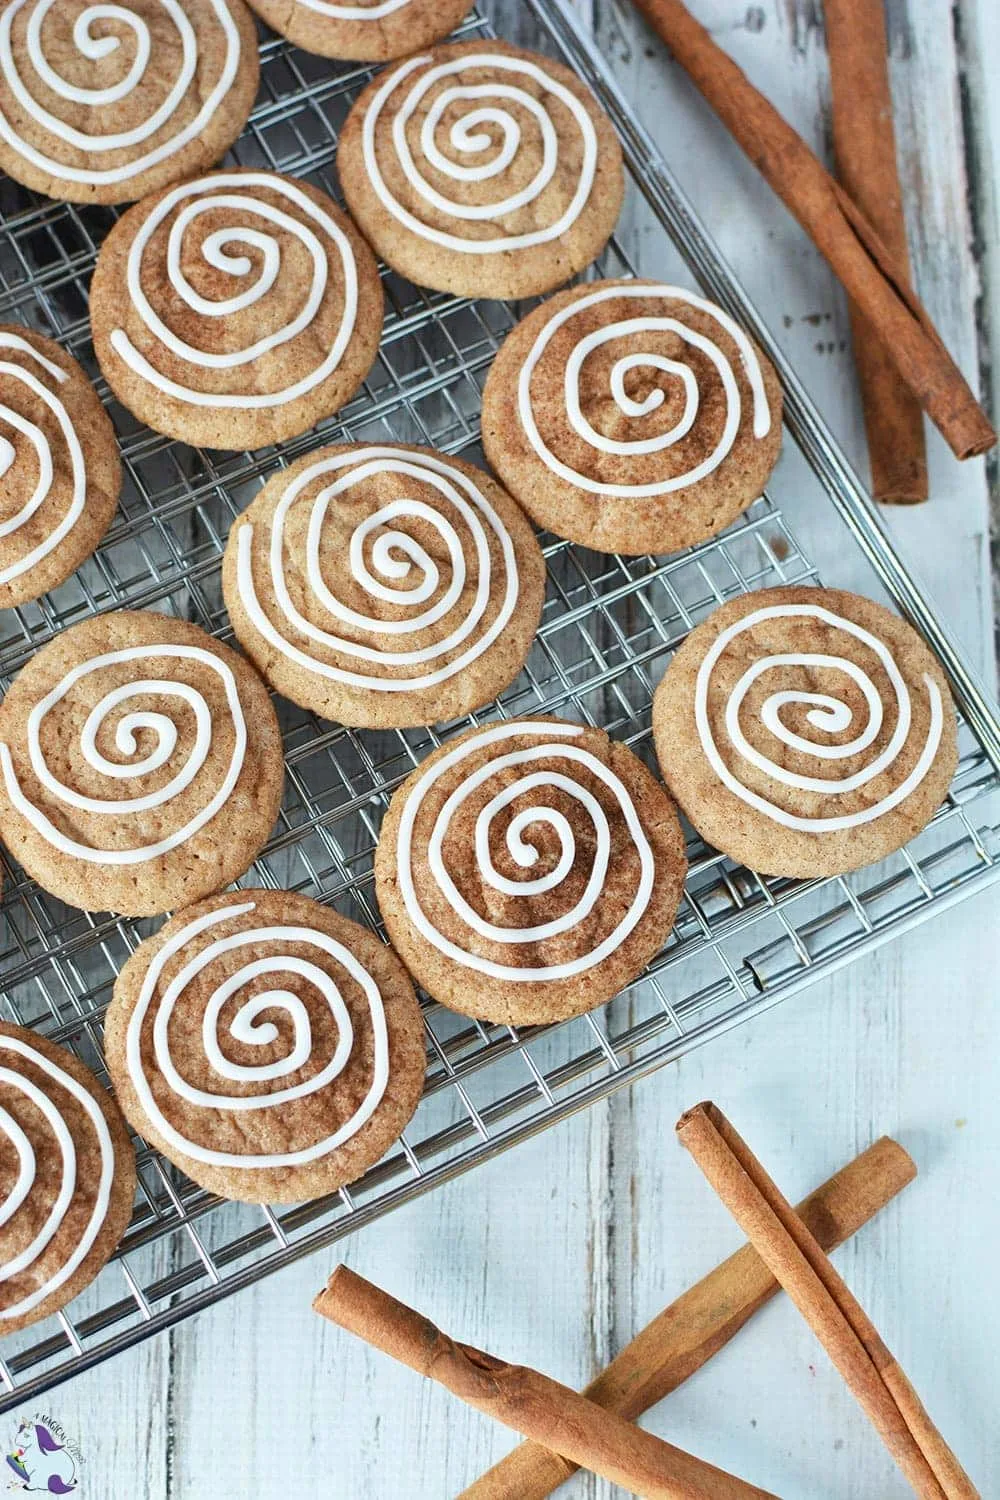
<point x="826" y="714"/>
<point x="228" y="191"/>
<point x="395" y="555"/>
<point x="246" y="1027"/>
<point x="374" y="12"/>
<point x="134" y="81"/>
<point x="125" y="741"/>
<point x="25" y="1182"/>
<point x="636" y="328"/>
<point x="467" y="138"/>
<point x="554" y="742"/>
<point x="10" y="371"/>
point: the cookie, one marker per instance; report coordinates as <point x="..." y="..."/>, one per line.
<point x="369" y="31"/>
<point x="60" y="474"/>
<point x="269" y="1047"/>
<point x="235" y="310"/>
<point x="67" y="1179"/>
<point x="141" y="764"/>
<point x="101" y="104"/>
<point x="384" y="586"/>
<point x="805" y="731"/>
<point x="528" y="871"/>
<point x="631" y="417"/>
<point x="482" y="169"/>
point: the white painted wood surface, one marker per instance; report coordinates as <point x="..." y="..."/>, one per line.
<point x="557" y="1253"/>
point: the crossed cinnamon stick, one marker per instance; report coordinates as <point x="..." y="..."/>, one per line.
<point x="594" y="1430"/>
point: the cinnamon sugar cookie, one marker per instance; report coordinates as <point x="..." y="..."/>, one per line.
<point x="632" y="417"/>
<point x="235" y="310"/>
<point x="528" y="871"/>
<point x="102" y="103"/>
<point x="68" y="1177"/>
<point x="60" y="474"/>
<point x="805" y="731"/>
<point x="365" y="30"/>
<point x="482" y="169"/>
<point x="140" y="764"/>
<point x="270" y="1048"/>
<point x="384" y="586"/>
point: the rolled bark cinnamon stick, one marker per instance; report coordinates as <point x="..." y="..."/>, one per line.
<point x="795" y="1259"/>
<point x="527" y="1401"/>
<point x="864" y="145"/>
<point x="873" y="277"/>
<point x="686" y="1334"/>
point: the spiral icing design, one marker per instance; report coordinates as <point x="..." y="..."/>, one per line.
<point x="34" y="1125"/>
<point x="218" y="977"/>
<point x="26" y="377"/>
<point x="643" y="431"/>
<point x="518" y="760"/>
<point x="784" y="674"/>
<point x="474" y="132"/>
<point x="165" y="77"/>
<point x="244" y="200"/>
<point x="453" y="610"/>
<point x="112" y="717"/>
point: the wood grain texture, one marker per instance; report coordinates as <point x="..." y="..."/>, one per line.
<point x="555" y="1254"/>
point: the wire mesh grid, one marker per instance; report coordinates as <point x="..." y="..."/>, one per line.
<point x="740" y="942"/>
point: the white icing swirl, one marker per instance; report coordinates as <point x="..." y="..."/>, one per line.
<point x="247" y="1027"/>
<point x="639" y="328"/>
<point x="396" y="556"/>
<point x="468" y="138"/>
<point x="165" y="731"/>
<point x="552" y="744"/>
<point x="233" y="192"/>
<point x="374" y="12"/>
<point x="26" y="1187"/>
<point x="134" y="83"/>
<point x="826" y="714"/>
<point x="18" y="374"/>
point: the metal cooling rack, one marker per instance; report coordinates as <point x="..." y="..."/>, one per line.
<point x="741" y="942"/>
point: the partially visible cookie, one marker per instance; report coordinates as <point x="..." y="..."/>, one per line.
<point x="67" y="1177"/>
<point x="631" y="416"/>
<point x="235" y="310"/>
<point x="60" y="474"/>
<point x="101" y="103"/>
<point x="528" y="871"/>
<point x="365" y="31"/>
<point x="384" y="586"/>
<point x="140" y="764"/>
<point x="806" y="731"/>
<point x="482" y="169"/>
<point x="269" y="1047"/>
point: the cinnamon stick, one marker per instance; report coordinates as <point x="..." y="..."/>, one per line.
<point x="874" y="278"/>
<point x="796" y="1260"/>
<point x="864" y="145"/>
<point x="527" y="1401"/>
<point x="686" y="1334"/>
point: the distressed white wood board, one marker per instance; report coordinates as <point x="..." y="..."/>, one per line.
<point x="556" y="1253"/>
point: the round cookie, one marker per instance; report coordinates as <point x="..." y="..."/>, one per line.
<point x="269" y="1047"/>
<point x="235" y="310"/>
<point x="140" y="764"/>
<point x="60" y="474"/>
<point x="482" y="169"/>
<point x="103" y="104"/>
<point x="365" y="31"/>
<point x="528" y="871"/>
<point x="384" y="586"/>
<point x="631" y="417"/>
<point x="67" y="1177"/>
<point x="805" y="731"/>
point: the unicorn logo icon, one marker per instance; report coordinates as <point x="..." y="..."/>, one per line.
<point x="40" y="1462"/>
